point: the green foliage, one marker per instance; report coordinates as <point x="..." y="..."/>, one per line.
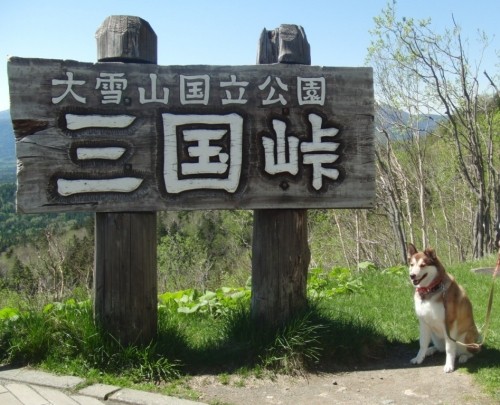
<point x="367" y="266"/>
<point x="439" y="104"/>
<point x="339" y="280"/>
<point x="16" y="229"/>
<point x="214" y="303"/>
<point x="20" y="278"/>
<point x="43" y="254"/>
<point x="398" y="270"/>
<point x="203" y="249"/>
<point x="386" y="305"/>
<point x="215" y="331"/>
<point x="209" y="327"/>
<point x="28" y="338"/>
<point x="321" y="284"/>
<point x="295" y="346"/>
<point x="59" y="265"/>
<point x="9" y="314"/>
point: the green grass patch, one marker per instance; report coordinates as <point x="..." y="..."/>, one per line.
<point x="353" y="318"/>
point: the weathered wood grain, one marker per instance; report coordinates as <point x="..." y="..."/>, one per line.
<point x="125" y="279"/>
<point x="126" y="38"/>
<point x="125" y="275"/>
<point x="280" y="246"/>
<point x="280" y="261"/>
<point x="46" y="146"/>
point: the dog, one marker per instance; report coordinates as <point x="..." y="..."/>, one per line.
<point x="443" y="309"/>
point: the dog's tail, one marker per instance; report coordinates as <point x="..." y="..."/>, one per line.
<point x="475" y="339"/>
<point x="471" y="347"/>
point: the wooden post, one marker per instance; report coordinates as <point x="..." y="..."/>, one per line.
<point x="280" y="251"/>
<point x="125" y="278"/>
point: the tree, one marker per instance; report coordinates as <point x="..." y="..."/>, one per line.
<point x="429" y="74"/>
<point x="20" y="278"/>
<point x="392" y="187"/>
<point x="203" y="249"/>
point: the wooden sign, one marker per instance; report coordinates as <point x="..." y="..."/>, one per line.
<point x="113" y="137"/>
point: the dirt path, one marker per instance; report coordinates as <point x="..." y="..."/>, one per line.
<point x="392" y="381"/>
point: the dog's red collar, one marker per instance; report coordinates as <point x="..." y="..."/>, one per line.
<point x="432" y="287"/>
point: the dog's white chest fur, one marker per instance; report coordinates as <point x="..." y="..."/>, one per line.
<point x="431" y="312"/>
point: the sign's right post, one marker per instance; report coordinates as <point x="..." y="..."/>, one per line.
<point x="280" y="250"/>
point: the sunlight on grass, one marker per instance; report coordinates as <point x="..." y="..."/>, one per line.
<point x="359" y="313"/>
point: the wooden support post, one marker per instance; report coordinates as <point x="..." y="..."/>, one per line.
<point x="125" y="278"/>
<point x="280" y="252"/>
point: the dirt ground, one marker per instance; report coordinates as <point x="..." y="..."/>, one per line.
<point x="391" y="381"/>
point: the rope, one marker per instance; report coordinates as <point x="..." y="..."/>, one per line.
<point x="490" y="299"/>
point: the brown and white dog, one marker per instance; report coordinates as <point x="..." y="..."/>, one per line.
<point x="443" y="309"/>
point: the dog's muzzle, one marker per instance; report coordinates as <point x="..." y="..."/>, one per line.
<point x="416" y="281"/>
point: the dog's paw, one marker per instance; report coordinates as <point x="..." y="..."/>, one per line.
<point x="448" y="368"/>
<point x="417" y="360"/>
<point x="463" y="358"/>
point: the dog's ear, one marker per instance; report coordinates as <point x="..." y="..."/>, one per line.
<point x="411" y="249"/>
<point x="430" y="252"/>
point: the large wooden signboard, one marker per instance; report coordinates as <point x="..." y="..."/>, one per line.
<point x="115" y="137"/>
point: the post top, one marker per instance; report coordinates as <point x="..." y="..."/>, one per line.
<point x="285" y="44"/>
<point x="123" y="38"/>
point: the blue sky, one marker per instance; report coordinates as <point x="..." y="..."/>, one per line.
<point x="225" y="32"/>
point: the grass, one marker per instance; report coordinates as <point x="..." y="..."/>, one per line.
<point x="486" y="365"/>
<point x="353" y="321"/>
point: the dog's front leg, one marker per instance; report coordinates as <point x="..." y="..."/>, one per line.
<point x="425" y="339"/>
<point x="451" y="352"/>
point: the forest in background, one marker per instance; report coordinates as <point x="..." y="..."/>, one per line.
<point x="438" y="184"/>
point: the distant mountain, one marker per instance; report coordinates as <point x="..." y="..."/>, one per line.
<point x="401" y="125"/>
<point x="7" y="149"/>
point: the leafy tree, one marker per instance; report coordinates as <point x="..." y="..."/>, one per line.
<point x="21" y="279"/>
<point x="17" y="228"/>
<point x="203" y="249"/>
<point x="433" y="75"/>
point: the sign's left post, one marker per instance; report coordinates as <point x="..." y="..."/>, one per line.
<point x="125" y="274"/>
